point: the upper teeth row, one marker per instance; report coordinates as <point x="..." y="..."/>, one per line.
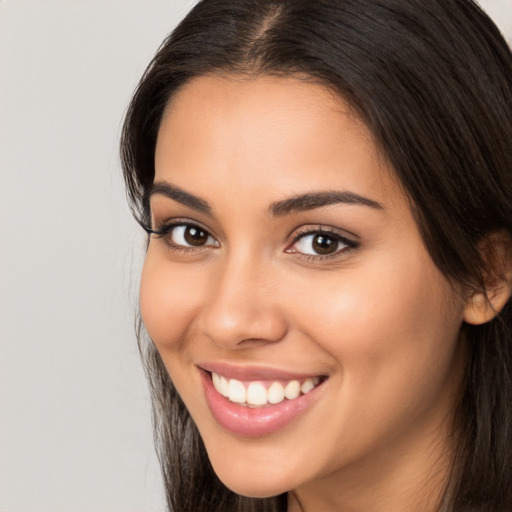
<point x="257" y="394"/>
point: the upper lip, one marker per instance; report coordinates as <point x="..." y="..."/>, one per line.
<point x="253" y="373"/>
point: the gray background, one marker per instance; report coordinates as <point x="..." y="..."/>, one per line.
<point x="75" y="431"/>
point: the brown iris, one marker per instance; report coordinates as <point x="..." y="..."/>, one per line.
<point x="195" y="236"/>
<point x="323" y="244"/>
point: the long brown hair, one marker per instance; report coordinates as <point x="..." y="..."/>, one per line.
<point x="433" y="82"/>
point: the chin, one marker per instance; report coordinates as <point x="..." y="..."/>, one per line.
<point x="253" y="482"/>
<point x="253" y="489"/>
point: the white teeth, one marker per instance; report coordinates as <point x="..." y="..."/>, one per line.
<point x="307" y="385"/>
<point x="236" y="391"/>
<point x="275" y="393"/>
<point x="257" y="394"/>
<point x="223" y="386"/>
<point x="292" y="389"/>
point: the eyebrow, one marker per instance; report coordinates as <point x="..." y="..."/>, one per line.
<point x="177" y="194"/>
<point x="302" y="202"/>
<point x="311" y="201"/>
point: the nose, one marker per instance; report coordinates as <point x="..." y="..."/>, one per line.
<point x="242" y="307"/>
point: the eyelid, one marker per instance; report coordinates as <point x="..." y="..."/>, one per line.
<point x="162" y="228"/>
<point x="308" y="229"/>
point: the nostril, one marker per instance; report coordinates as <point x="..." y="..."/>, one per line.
<point x="239" y="311"/>
<point x="244" y="333"/>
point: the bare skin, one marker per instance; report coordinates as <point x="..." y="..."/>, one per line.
<point x="344" y="290"/>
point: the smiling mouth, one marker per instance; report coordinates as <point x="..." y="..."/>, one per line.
<point x="263" y="393"/>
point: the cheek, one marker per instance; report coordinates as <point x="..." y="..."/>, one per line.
<point x="398" y="320"/>
<point x="393" y="338"/>
<point x="168" y="302"/>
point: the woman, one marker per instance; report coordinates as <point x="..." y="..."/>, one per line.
<point x="327" y="190"/>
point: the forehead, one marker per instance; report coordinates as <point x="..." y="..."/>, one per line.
<point x="255" y="98"/>
<point x="267" y="133"/>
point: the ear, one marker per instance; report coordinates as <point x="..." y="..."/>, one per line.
<point x="483" y="305"/>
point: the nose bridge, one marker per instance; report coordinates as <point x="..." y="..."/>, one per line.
<point x="241" y="305"/>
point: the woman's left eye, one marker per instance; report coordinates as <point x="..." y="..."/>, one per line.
<point x="320" y="243"/>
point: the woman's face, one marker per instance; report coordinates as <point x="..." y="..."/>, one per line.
<point x="289" y="260"/>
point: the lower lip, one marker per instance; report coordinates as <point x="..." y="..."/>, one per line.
<point x="257" y="421"/>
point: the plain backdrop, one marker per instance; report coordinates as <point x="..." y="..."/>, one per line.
<point x="75" y="429"/>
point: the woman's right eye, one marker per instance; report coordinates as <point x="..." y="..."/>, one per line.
<point x="186" y="236"/>
<point x="189" y="235"/>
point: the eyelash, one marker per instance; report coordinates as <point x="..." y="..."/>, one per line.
<point x="165" y="230"/>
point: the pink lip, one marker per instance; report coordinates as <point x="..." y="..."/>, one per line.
<point x="252" y="373"/>
<point x="254" y="422"/>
